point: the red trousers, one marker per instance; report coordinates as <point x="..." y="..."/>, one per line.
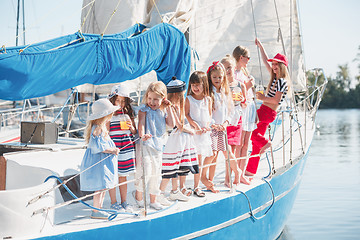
<point x="266" y="116"/>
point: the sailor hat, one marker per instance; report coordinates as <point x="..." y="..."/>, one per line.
<point x="175" y="85"/>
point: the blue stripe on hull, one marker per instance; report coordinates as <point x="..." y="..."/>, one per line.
<point x="212" y="214"/>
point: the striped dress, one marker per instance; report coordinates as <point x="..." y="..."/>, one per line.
<point x="122" y="138"/>
<point x="179" y="155"/>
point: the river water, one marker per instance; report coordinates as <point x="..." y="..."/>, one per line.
<point x="328" y="202"/>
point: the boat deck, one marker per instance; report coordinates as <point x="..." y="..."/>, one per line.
<point x="65" y="157"/>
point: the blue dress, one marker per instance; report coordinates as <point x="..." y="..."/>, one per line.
<point x="156" y="126"/>
<point x="104" y="174"/>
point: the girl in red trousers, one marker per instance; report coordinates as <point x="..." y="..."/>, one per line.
<point x="274" y="95"/>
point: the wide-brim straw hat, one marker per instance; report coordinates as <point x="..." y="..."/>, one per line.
<point x="101" y="108"/>
<point x="122" y="91"/>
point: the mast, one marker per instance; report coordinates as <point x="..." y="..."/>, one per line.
<point x="17" y="23"/>
<point x="23" y="13"/>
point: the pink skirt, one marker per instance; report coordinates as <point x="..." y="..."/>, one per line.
<point x="234" y="133"/>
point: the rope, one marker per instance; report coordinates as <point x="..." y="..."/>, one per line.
<point x="113" y="214"/>
<point x="45" y="16"/>
<point x="113" y="13"/>
<point x="93" y="3"/>
<point x="162" y="20"/>
<point x="249" y="203"/>
<point x="258" y="50"/>
<point x="66" y="181"/>
<point x="3" y="48"/>
<point x="67" y="100"/>
<point x="280" y="33"/>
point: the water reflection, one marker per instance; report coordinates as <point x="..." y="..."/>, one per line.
<point x="327" y="203"/>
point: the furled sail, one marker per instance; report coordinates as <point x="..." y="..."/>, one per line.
<point x="55" y="65"/>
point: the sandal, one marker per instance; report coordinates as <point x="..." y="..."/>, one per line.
<point x="186" y="191"/>
<point x="198" y="192"/>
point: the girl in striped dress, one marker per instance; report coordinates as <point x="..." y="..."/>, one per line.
<point x="221" y="107"/>
<point x="122" y="129"/>
<point x="179" y="155"/>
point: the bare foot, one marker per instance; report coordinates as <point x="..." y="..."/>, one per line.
<point x="266" y="146"/>
<point x="212" y="189"/>
<point x="211" y="182"/>
<point x="236" y="180"/>
<point x="245" y="180"/>
<point x="227" y="184"/>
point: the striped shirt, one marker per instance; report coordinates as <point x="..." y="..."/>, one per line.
<point x="278" y="86"/>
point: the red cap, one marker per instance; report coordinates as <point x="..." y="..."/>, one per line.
<point x="279" y="58"/>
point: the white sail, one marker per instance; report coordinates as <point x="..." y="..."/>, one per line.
<point x="215" y="28"/>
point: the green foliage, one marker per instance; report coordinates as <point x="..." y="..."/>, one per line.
<point x="338" y="93"/>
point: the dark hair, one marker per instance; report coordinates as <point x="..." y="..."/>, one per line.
<point x="196" y="78"/>
<point x="126" y="110"/>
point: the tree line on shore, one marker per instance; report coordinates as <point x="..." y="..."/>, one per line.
<point x="339" y="93"/>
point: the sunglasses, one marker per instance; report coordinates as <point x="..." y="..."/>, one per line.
<point x="246" y="57"/>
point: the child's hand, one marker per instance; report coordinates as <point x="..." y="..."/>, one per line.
<point x="146" y="137"/>
<point x="129" y="123"/>
<point x="244" y="105"/>
<point x="241" y="98"/>
<point x="167" y="102"/>
<point x="257" y="42"/>
<point x="190" y="131"/>
<point x="116" y="151"/>
<point x="215" y="126"/>
<point x="204" y="129"/>
<point x="198" y="131"/>
<point x="222" y="127"/>
<point x="260" y="96"/>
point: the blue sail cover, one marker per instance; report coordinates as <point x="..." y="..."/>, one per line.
<point x="44" y="68"/>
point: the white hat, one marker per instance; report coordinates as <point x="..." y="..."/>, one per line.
<point x="102" y="108"/>
<point x="120" y="90"/>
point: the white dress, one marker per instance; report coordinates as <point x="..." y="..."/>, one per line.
<point x="180" y="155"/>
<point x="249" y="112"/>
<point x="199" y="112"/>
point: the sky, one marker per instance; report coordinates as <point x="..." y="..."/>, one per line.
<point x="330" y="28"/>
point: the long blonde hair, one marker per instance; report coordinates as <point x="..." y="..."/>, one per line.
<point x="283" y="74"/>
<point x="217" y="66"/>
<point x="99" y="122"/>
<point x="156" y="87"/>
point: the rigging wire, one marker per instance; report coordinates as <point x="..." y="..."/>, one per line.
<point x="256" y="35"/>
<point x="162" y="20"/>
<point x="22" y="50"/>
<point x="113" y="13"/>
<point x="83" y="23"/>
